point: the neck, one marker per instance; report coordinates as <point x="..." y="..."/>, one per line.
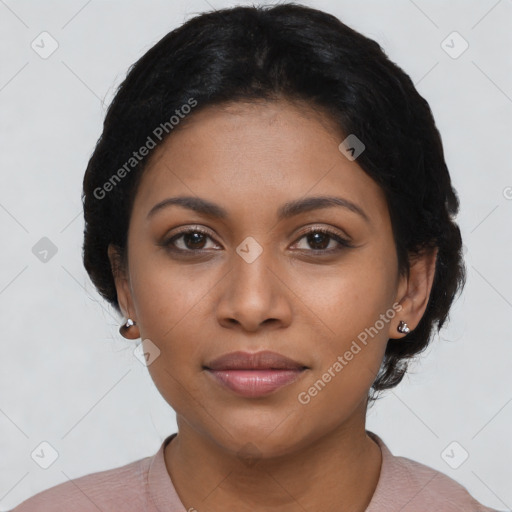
<point x="337" y="472"/>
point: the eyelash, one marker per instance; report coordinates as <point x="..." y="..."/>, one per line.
<point x="343" y="243"/>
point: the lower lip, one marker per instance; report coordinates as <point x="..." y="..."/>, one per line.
<point x="254" y="383"/>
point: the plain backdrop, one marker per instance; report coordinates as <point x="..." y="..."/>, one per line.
<point x="66" y="375"/>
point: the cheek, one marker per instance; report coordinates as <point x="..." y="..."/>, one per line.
<point x="171" y="308"/>
<point x="351" y="297"/>
<point x="163" y="290"/>
<point x="171" y="302"/>
<point x="356" y="306"/>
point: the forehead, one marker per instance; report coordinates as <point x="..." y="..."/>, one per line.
<point x="256" y="155"/>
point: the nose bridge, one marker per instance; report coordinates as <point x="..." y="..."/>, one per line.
<point x="251" y="274"/>
<point x="252" y="293"/>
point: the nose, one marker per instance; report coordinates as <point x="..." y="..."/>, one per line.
<point x="254" y="296"/>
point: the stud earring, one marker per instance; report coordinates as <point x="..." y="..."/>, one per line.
<point x="403" y="327"/>
<point x="125" y="327"/>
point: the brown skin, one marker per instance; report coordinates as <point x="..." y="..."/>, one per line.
<point x="250" y="159"/>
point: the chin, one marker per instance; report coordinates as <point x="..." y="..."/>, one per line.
<point x="253" y="438"/>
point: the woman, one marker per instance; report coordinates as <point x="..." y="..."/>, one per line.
<point x="270" y="209"/>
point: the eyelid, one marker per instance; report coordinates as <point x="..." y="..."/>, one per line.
<point x="323" y="228"/>
<point x="303" y="231"/>
<point x="188" y="228"/>
<point x="342" y="239"/>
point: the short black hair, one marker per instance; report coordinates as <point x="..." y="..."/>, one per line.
<point x="286" y="51"/>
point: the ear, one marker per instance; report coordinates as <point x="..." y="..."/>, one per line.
<point x="124" y="293"/>
<point x="414" y="290"/>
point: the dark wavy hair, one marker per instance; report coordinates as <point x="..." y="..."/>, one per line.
<point x="286" y="51"/>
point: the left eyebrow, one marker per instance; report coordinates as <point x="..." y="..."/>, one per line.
<point x="286" y="211"/>
<point x="318" y="202"/>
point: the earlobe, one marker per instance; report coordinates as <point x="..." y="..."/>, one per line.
<point x="414" y="292"/>
<point x="129" y="330"/>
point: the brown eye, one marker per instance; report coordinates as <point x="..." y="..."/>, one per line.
<point x="318" y="240"/>
<point x="323" y="240"/>
<point x="188" y="240"/>
<point x="194" y="240"/>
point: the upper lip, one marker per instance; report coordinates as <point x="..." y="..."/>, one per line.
<point x="264" y="360"/>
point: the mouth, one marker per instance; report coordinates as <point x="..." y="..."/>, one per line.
<point x="254" y="374"/>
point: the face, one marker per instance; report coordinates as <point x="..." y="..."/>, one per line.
<point x="306" y="284"/>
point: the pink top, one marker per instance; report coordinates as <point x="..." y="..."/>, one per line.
<point x="145" y="486"/>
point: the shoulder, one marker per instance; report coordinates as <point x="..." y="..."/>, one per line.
<point x="123" y="488"/>
<point x="434" y="488"/>
<point x="411" y="486"/>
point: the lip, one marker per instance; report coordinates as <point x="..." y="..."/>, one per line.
<point x="255" y="374"/>
<point x="263" y="360"/>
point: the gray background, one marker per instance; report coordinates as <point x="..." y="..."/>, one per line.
<point x="66" y="375"/>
